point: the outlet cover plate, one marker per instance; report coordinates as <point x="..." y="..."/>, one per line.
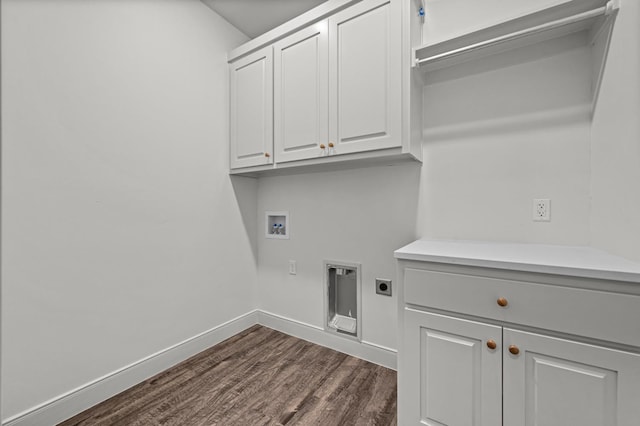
<point x="541" y="210"/>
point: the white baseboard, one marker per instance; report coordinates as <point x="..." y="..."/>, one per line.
<point x="371" y="352"/>
<point x="75" y="401"/>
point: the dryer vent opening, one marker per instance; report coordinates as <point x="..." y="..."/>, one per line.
<point x="342" y="299"/>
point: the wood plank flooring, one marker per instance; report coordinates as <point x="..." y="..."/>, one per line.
<point x="258" y="377"/>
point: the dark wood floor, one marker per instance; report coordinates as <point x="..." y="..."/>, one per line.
<point x="258" y="377"/>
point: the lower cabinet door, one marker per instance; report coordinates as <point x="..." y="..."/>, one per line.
<point x="551" y="381"/>
<point x="450" y="372"/>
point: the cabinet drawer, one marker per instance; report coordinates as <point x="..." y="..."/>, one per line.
<point x="602" y="315"/>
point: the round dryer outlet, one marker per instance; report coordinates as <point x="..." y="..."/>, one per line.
<point x="383" y="287"/>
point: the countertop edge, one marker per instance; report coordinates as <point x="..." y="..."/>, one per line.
<point x="572" y="271"/>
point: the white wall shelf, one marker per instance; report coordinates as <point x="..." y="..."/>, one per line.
<point x="524" y="31"/>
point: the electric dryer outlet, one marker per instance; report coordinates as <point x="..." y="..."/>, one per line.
<point x="383" y="287"/>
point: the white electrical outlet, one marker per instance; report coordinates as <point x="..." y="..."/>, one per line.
<point x="541" y="210"/>
<point x="292" y="267"/>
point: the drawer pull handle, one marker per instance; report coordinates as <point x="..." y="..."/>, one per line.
<point x="266" y="154"/>
<point x="502" y="302"/>
<point x="491" y="344"/>
<point x="330" y="144"/>
<point x="322" y="146"/>
<point x="514" y="350"/>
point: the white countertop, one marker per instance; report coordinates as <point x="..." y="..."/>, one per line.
<point x="543" y="258"/>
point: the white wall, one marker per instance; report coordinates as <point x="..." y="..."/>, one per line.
<point x="615" y="162"/>
<point x="122" y="232"/>
<point x="360" y="216"/>
<point x="502" y="131"/>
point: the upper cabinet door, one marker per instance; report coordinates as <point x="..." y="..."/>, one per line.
<point x="301" y="94"/>
<point x="251" y="113"/>
<point x="365" y="77"/>
<point x="552" y="381"/>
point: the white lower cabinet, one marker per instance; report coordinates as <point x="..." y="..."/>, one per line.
<point x="480" y="348"/>
<point x="553" y="381"/>
<point x="458" y="372"/>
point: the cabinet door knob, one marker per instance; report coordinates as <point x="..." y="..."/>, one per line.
<point x="491" y="344"/>
<point x="322" y="146"/>
<point x="266" y="154"/>
<point x="502" y="302"/>
<point x="514" y="349"/>
<point x="330" y="144"/>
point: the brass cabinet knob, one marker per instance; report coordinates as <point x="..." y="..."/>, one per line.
<point x="502" y="302"/>
<point x="330" y="144"/>
<point x="514" y="349"/>
<point x="322" y="146"/>
<point x="491" y="344"/>
<point x="266" y="154"/>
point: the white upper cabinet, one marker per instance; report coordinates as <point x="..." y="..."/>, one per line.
<point x="334" y="92"/>
<point x="339" y="91"/>
<point x="301" y="94"/>
<point x="364" y="77"/>
<point x="251" y="103"/>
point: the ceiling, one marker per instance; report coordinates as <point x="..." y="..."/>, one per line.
<point x="256" y="17"/>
